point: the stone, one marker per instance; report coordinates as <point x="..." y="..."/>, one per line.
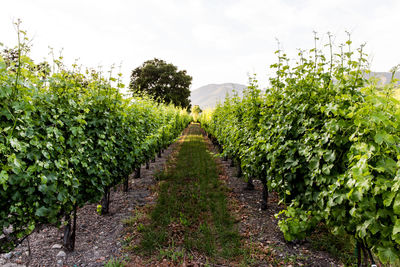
<point x="61" y="254"/>
<point x="13" y="265"/>
<point x="8" y="255"/>
<point x="56" y="246"/>
<point x="18" y="253"/>
<point x="60" y="263"/>
<point x="8" y="230"/>
<point x="96" y="254"/>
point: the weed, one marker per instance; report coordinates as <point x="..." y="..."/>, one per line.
<point x="113" y="262"/>
<point x="131" y="221"/>
<point x="340" y="247"/>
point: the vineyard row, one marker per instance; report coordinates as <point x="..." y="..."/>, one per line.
<point x="66" y="138"/>
<point x="327" y="140"/>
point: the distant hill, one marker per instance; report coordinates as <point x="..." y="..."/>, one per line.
<point x="384" y="77"/>
<point x="207" y="96"/>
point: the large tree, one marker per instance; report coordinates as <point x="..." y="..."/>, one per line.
<point x="162" y="81"/>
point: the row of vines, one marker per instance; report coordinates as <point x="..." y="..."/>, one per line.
<point x="327" y="141"/>
<point x="66" y="138"/>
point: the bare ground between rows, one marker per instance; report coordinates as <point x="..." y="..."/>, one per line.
<point x="260" y="228"/>
<point x="98" y="237"/>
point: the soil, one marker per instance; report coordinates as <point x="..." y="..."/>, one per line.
<point x="99" y="238"/>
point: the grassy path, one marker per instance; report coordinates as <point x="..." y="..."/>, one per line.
<point x="206" y="218"/>
<point x="191" y="216"/>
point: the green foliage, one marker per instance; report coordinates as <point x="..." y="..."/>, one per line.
<point x="115" y="263"/>
<point x="65" y="137"/>
<point x="162" y="81"/>
<point x="327" y="141"/>
<point x="98" y="209"/>
<point x="196" y="110"/>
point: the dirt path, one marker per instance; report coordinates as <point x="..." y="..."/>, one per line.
<point x="259" y="230"/>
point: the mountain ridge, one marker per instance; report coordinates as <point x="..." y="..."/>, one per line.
<point x="207" y="96"/>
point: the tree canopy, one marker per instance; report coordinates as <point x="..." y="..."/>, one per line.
<point x="196" y="110"/>
<point x="162" y="81"/>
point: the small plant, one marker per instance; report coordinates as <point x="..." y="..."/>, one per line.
<point x="98" y="209"/>
<point x="131" y="221"/>
<point x="161" y="175"/>
<point x="173" y="254"/>
<point x="339" y="246"/>
<point x="140" y="227"/>
<point x="183" y="220"/>
<point x="114" y="262"/>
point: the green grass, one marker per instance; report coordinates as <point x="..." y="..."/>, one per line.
<point x="340" y="247"/>
<point x="191" y="213"/>
<point x="115" y="263"/>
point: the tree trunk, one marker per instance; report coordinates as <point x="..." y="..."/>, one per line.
<point x="264" y="200"/>
<point x="373" y="264"/>
<point x="358" y="252"/>
<point x="105" y="202"/>
<point x="239" y="171"/>
<point x="232" y="163"/>
<point x="126" y="184"/>
<point x="69" y="234"/>
<point x="366" y="262"/>
<point x="137" y="172"/>
<point x="249" y="185"/>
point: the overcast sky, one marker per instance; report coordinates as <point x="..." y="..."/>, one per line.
<point x="216" y="41"/>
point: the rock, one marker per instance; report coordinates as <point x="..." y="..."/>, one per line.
<point x="2" y="261"/>
<point x="96" y="254"/>
<point x="8" y="230"/>
<point x="60" y="263"/>
<point x="8" y="255"/>
<point x="56" y="246"/>
<point x="18" y="253"/>
<point x="13" y="265"/>
<point x="61" y="254"/>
